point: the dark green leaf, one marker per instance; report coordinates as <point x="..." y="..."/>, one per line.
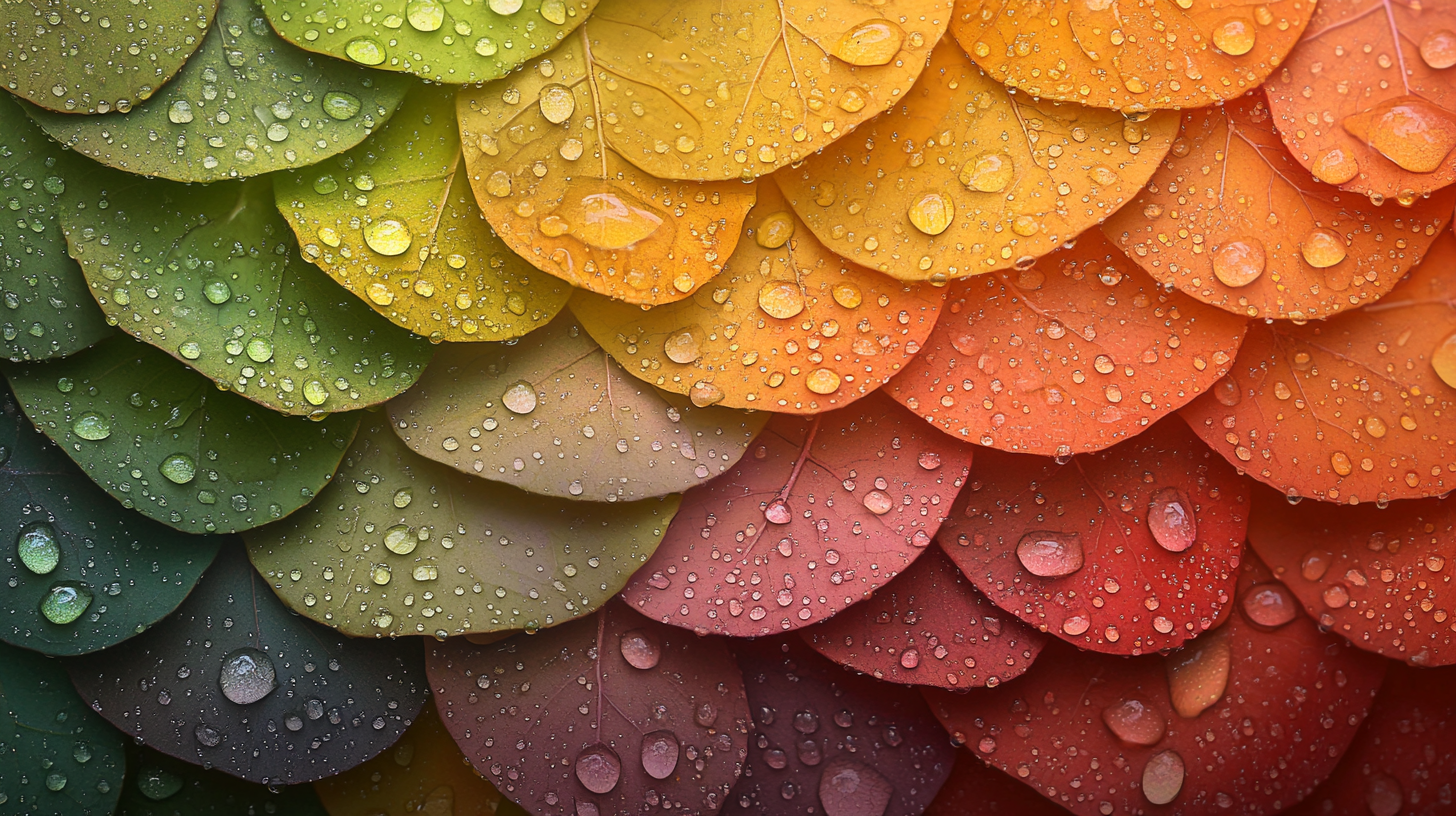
<point x="158" y="785"/>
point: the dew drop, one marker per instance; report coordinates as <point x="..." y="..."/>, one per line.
<point x="848" y="787"/>
<point x="92" y="427"/>
<point x="1269" y="605"/>
<point x="157" y="784"/>
<point x="37" y="547"/>
<point x="365" y="51"/>
<point x="1323" y="249"/>
<point x="682" y="346"/>
<point x="1198" y="675"/>
<point x="878" y="502"/>
<point x="1415" y="134"/>
<point x="640" y="649"/>
<point x="247" y="676"/>
<point x="1163" y="777"/>
<point x="217" y="292"/>
<point x="557" y="103"/>
<point x="1443" y="360"/>
<point x="388" y="237"/>
<point x="65" y="602"/>
<point x="1335" y="166"/>
<point x="1134" y="722"/>
<point x="520" y="398"/>
<point x="1050" y="554"/>
<point x="660" y="751"/>
<point x="781" y="299"/>
<point x="932" y="213"/>
<point x="1239" y="261"/>
<point x="1171" y="520"/>
<point x="1438" y="49"/>
<point x="179" y="468"/>
<point x="1235" y="37"/>
<point x="340" y="106"/>
<point x="598" y="769"/>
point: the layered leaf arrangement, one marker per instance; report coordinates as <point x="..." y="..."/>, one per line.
<point x="589" y="407"/>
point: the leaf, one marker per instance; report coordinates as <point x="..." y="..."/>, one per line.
<point x="964" y="177"/>
<point x="471" y="42"/>
<point x="737" y="340"/>
<point x="484" y="557"/>
<point x="600" y="715"/>
<point x="1127" y="551"/>
<point x="1393" y="137"/>
<point x="826" y="736"/>
<point x="612" y="437"/>
<point x="1234" y="221"/>
<point x="90" y="58"/>
<point x="246" y="103"/>
<point x="1377" y="577"/>
<point x="1070" y="356"/>
<point x="824" y="511"/>
<point x="928" y="627"/>
<point x="211" y="276"/>
<point x="1132" y="56"/>
<point x="395" y="222"/>
<point x="59" y="759"/>
<point x="1268" y="713"/>
<point x="575" y="206"/>
<point x="976" y="789"/>
<point x="49" y="312"/>
<point x="76" y="556"/>
<point x="1349" y="409"/>
<point x="159" y="785"/>
<point x="236" y="682"/>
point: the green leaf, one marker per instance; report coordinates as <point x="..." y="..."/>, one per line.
<point x="395" y="222"/>
<point x="246" y="103"/>
<point x="73" y="554"/>
<point x="435" y="39"/>
<point x="490" y="411"/>
<point x="211" y="276"/>
<point x="57" y="758"/>
<point x="158" y="785"/>
<point x="48" y="310"/>
<point x="401" y="545"/>
<point x="163" y="440"/>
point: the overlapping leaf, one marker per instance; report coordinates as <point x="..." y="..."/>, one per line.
<point x="929" y="627"/>
<point x="787" y="326"/>
<point x="1233" y="220"/>
<point x="394" y="221"/>
<point x="1367" y="100"/>
<point x="554" y="415"/>
<point x="599" y="717"/>
<point x="81" y="573"/>
<point x="821" y="513"/>
<point x="1131" y="550"/>
<point x="1131" y="56"/>
<point x="966" y="177"/>
<point x="236" y="682"/>
<point x="211" y="276"/>
<point x="1356" y="408"/>
<point x="158" y="785"/>
<point x="246" y="103"/>
<point x="401" y="545"/>
<point x="1070" y="356"/>
<point x="976" y="789"/>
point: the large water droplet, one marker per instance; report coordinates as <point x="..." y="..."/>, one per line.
<point x="1163" y="777"/>
<point x="878" y="502"/>
<point x="1410" y="131"/>
<point x="179" y="468"/>
<point x="365" y="51"/>
<point x="1198" y="674"/>
<point x="988" y="172"/>
<point x="1438" y="49"/>
<point x="1134" y="722"/>
<point x="704" y="394"/>
<point x="247" y="676"/>
<point x="92" y="427"/>
<point x="1384" y="795"/>
<point x="557" y="103"/>
<point x="781" y="299"/>
<point x="157" y="784"/>
<point x="932" y="213"/>
<point x="848" y="787"/>
<point x="774" y="230"/>
<point x="1323" y="249"/>
<point x="822" y="381"/>
<point x="873" y="42"/>
<point x="1269" y="605"/>
<point x="609" y="220"/>
<point x="1050" y="554"/>
<point x="1335" y="166"/>
<point x="1171" y="520"/>
<point x="388" y="236"/>
<point x="659" y="754"/>
<point x="682" y="346"/>
<point x="598" y="768"/>
<point x="217" y="292"/>
<point x="65" y="602"/>
<point x="341" y="106"/>
<point x="1239" y="261"/>
<point x="640" y="649"/>
<point x="520" y="398"/>
<point x="38" y="548"/>
<point x="1234" y="37"/>
<point x="425" y="15"/>
<point x="1443" y="360"/>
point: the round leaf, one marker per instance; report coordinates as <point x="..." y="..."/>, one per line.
<point x="1233" y="220"/>
<point x="107" y="573"/>
<point x="823" y="512"/>
<point x="158" y="785"/>
<point x="401" y="545"/>
<point x="965" y="177"/>
<point x="211" y="276"/>
<point x="598" y="716"/>
<point x="976" y="789"/>
<point x="246" y="103"/>
<point x="395" y="222"/>
<point x="163" y="440"/>
<point x="1070" y="356"/>
<point x="236" y="682"/>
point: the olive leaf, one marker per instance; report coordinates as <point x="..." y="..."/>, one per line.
<point x="246" y="103"/>
<point x="158" y="785"/>
<point x="80" y="573"/>
<point x="401" y="545"/>
<point x="210" y="275"/>
<point x="164" y="441"/>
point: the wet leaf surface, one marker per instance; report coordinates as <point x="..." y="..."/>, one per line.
<point x="236" y="682"/>
<point x="402" y="545"/>
<point x="1381" y="578"/>
<point x="80" y="572"/>
<point x="211" y="276"/>
<point x="826" y="739"/>
<point x="821" y="513"/>
<point x="1073" y="355"/>
<point x="964" y="177"/>
<point x="163" y="440"/>
<point x="1128" y="551"/>
<point x="929" y="627"/>
<point x="395" y="222"/>
<point x="609" y="714"/>
<point x="977" y="789"/>
<point x="246" y="103"/>
<point x="1245" y="719"/>
<point x="159" y="785"/>
<point x="1355" y="408"/>
<point x="554" y="415"/>
<point x="1233" y="220"/>
<point x="1392" y="136"/>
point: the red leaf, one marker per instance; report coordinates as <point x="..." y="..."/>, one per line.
<point x="1067" y="360"/>
<point x="821" y="512"/>
<point x="597" y="716"/>
<point x="1382" y="578"/>
<point x="929" y="627"/>
<point x="1070" y="549"/>
<point x="976" y="789"/>
<point x="1281" y="706"/>
<point x="824" y="736"/>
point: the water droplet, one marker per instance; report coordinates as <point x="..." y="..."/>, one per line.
<point x="1198" y="674"/>
<point x="1269" y="605"/>
<point x="1235" y="37"/>
<point x="609" y="220"/>
<point x="157" y="784"/>
<point x="1171" y="520"/>
<point x="217" y="292"/>
<point x="1415" y="134"/>
<point x="848" y="787"/>
<point x="397" y="539"/>
<point x="873" y="42"/>
<point x="207" y="736"/>
<point x="781" y="299"/>
<point x="988" y="172"/>
<point x="1323" y="249"/>
<point x="315" y="392"/>
<point x="774" y="230"/>
<point x="878" y="502"/>
<point x="65" y="602"/>
<point x="260" y="349"/>
<point x="1134" y="722"/>
<point x="92" y="427"/>
<point x="682" y="346"/>
<point x="929" y="460"/>
<point x="1050" y="554"/>
<point x="598" y="767"/>
<point x="1239" y="261"/>
<point x="557" y="103"/>
<point x="1438" y="49"/>
<point x="1383" y="795"/>
<point x="910" y="658"/>
<point x="1443" y="360"/>
<point x="365" y="51"/>
<point x="520" y="398"/>
<point x="180" y="113"/>
<point x="1163" y="777"/>
<point x="822" y="381"/>
<point x="425" y="15"/>
<point x="640" y="649"/>
<point x="37" y="547"/>
<point x="403" y="497"/>
<point x="179" y="468"/>
<point x="777" y="512"/>
<point x="388" y="237"/>
<point x="340" y="106"/>
<point x="659" y="754"/>
<point x="1335" y="166"/>
<point x="704" y="394"/>
<point x="932" y="213"/>
<point x="247" y="676"/>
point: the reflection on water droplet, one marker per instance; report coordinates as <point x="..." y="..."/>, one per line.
<point x="822" y="381"/>
<point x="1335" y="166"/>
<point x="364" y="51"/>
<point x="873" y="42"/>
<point x="878" y="502"/>
<point x="340" y="106"/>
<point x="1235" y="37"/>
<point x="520" y="398"/>
<point x="598" y="769"/>
<point x="157" y="784"/>
<point x="557" y="103"/>
<point x="65" y="602"/>
<point x="315" y="392"/>
<point x="260" y="350"/>
<point x="388" y="237"/>
<point x="781" y="299"/>
<point x="609" y="220"/>
<point x="1415" y="134"/>
<point x="774" y="230"/>
<point x="1322" y="249"/>
<point x="682" y="346"/>
<point x="777" y="512"/>
<point x="1198" y="674"/>
<point x="37" y="547"/>
<point x="403" y="497"/>
<point x="1050" y="554"/>
<point x="425" y="15"/>
<point x="659" y="754"/>
<point x="1134" y="722"/>
<point x="848" y="787"/>
<point x="1171" y="520"/>
<point x="207" y="736"/>
<point x="180" y="113"/>
<point x="847" y="295"/>
<point x="704" y="394"/>
<point x="92" y="427"/>
<point x="179" y="468"/>
<point x="397" y="539"/>
<point x="1438" y="49"/>
<point x="1269" y="605"/>
<point x="988" y="172"/>
<point x="217" y="292"/>
<point x="932" y="213"/>
<point x="247" y="676"/>
<point x="640" y="649"/>
<point x="1239" y="261"/>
